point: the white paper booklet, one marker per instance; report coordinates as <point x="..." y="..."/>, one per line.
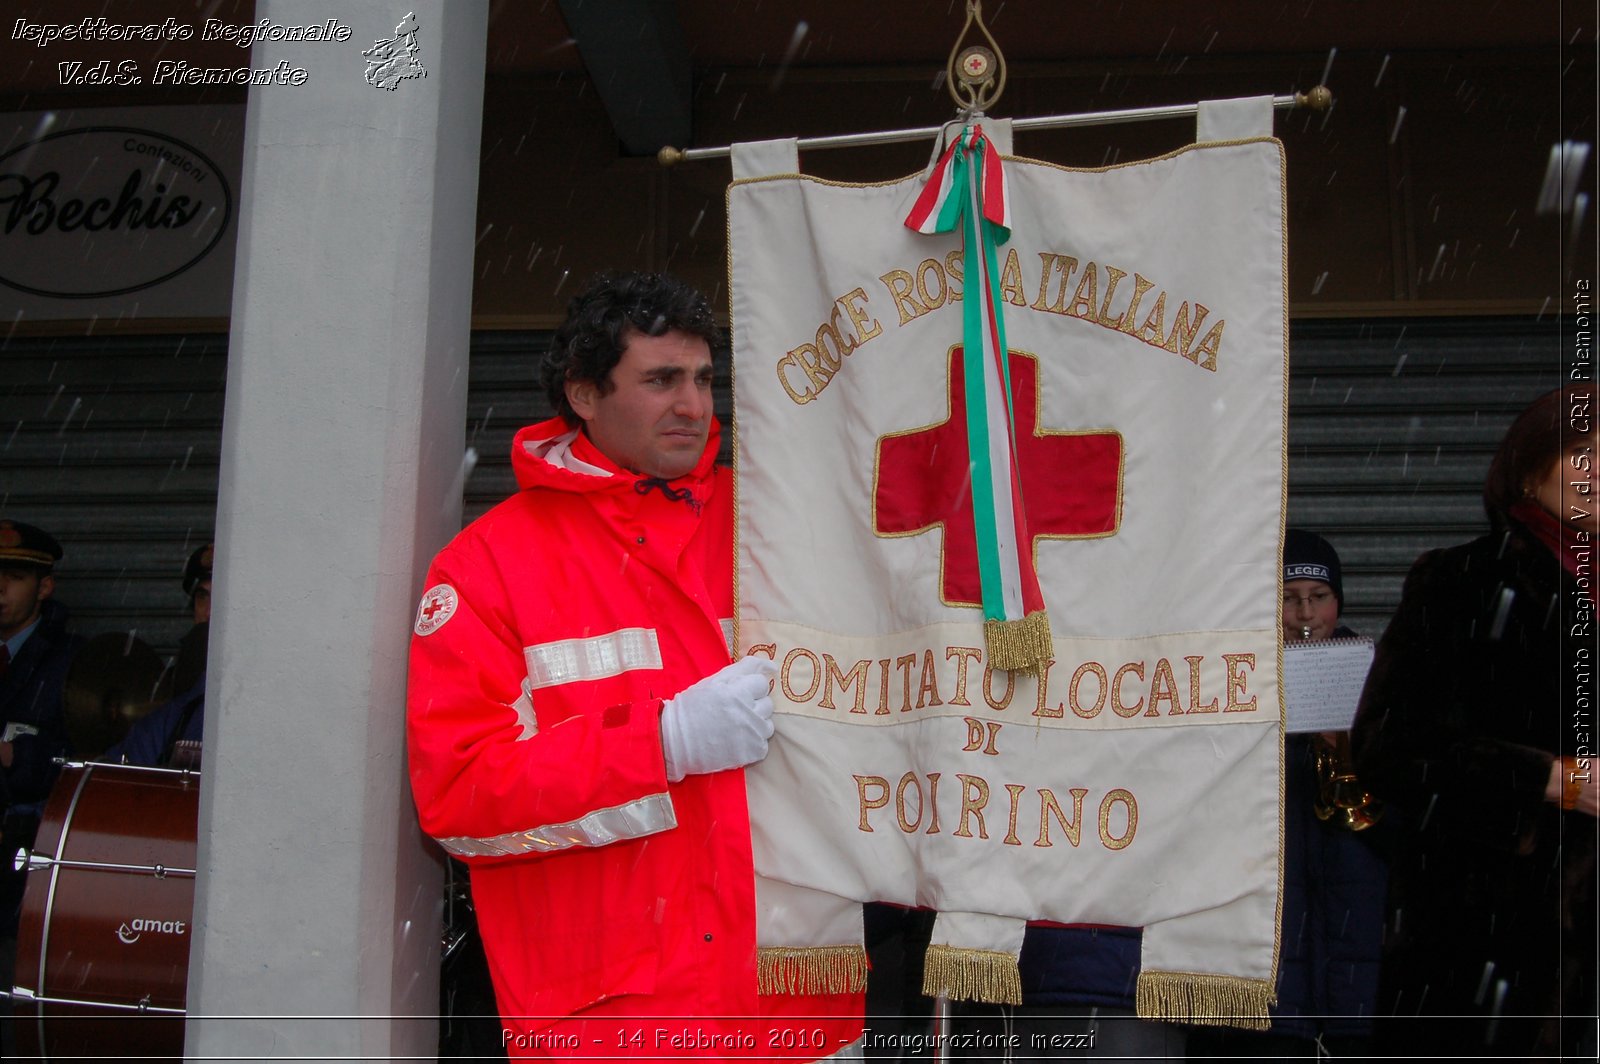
<point x="1322" y="683"/>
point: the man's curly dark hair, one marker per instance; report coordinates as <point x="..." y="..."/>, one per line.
<point x="601" y="318"/>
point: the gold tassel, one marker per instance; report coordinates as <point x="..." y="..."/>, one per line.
<point x="1020" y="645"/>
<point x="985" y="975"/>
<point x="811" y="970"/>
<point x="1207" y="1000"/>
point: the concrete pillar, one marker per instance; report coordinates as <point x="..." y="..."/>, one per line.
<point x="341" y="463"/>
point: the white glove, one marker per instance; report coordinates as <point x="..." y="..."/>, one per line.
<point x="723" y="721"/>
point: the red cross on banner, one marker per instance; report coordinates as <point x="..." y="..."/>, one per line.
<point x="1071" y="481"/>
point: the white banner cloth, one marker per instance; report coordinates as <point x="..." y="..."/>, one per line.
<point x="1141" y="785"/>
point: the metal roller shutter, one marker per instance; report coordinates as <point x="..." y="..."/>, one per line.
<point x="1391" y="429"/>
<point x="112" y="444"/>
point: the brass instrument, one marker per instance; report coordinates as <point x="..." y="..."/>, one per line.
<point x="1340" y="796"/>
<point x="113" y="681"/>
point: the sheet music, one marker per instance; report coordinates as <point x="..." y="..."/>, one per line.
<point x="1322" y="683"/>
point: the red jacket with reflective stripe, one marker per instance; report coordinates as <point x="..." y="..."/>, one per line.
<point x="549" y="633"/>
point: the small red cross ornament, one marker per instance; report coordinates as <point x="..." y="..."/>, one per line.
<point x="1071" y="481"/>
<point x="438" y="606"/>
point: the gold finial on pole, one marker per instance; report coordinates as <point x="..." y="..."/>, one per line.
<point x="1319" y="98"/>
<point x="975" y="75"/>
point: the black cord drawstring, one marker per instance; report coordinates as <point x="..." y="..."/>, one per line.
<point x="644" y="484"/>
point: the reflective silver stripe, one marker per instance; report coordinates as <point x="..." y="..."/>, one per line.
<point x="645" y="816"/>
<point x="594" y="658"/>
<point x="727" y="632"/>
<point x="526" y="718"/>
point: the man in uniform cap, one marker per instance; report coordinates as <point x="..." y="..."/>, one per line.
<point x="35" y="650"/>
<point x="190" y="667"/>
<point x="154" y="737"/>
<point x="197" y="582"/>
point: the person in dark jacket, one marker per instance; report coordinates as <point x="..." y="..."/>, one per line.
<point x="1333" y="877"/>
<point x="1476" y="725"/>
<point x="37" y="651"/>
<point x="189" y="670"/>
<point x="154" y="737"/>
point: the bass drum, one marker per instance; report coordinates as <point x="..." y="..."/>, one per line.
<point x="103" y="944"/>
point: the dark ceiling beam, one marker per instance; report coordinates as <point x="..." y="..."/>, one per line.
<point x="636" y="56"/>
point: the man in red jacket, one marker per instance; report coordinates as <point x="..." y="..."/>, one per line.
<point x="576" y="728"/>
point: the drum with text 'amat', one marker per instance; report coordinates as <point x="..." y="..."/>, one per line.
<point x="103" y="946"/>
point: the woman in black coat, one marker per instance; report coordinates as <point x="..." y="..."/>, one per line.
<point x="1477" y="725"/>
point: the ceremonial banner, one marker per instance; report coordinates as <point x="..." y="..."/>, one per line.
<point x="1131" y="774"/>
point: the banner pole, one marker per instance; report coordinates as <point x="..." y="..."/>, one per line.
<point x="1318" y="99"/>
<point x="941" y="1029"/>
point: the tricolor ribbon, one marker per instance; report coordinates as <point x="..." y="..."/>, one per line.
<point x="968" y="188"/>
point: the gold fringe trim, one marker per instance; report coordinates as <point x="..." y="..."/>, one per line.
<point x="986" y="975"/>
<point x="811" y="969"/>
<point x="1020" y="645"/>
<point x="1207" y="1000"/>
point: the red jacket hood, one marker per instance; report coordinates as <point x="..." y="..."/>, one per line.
<point x="535" y="446"/>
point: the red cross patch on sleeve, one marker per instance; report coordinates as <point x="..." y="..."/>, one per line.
<point x="438" y="605"/>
